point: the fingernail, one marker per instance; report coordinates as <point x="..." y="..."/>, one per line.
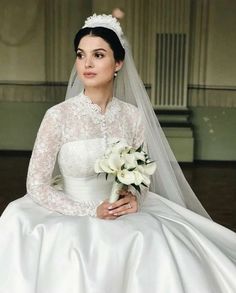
<point x="110" y="207"/>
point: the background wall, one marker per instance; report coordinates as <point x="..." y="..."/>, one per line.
<point x="36" y="56"/>
<point x="212" y="78"/>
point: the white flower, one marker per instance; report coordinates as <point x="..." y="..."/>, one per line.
<point x="130" y="161"/>
<point x="128" y="165"/>
<point x="138" y="177"/>
<point x="104" y="164"/>
<point x="126" y="177"/>
<point x="115" y="161"/>
<point x="146" y="180"/>
<point x="121" y="147"/>
<point x="150" y="168"/>
<point x="140" y="156"/>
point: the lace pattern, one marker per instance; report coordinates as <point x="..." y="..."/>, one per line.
<point x="74" y="120"/>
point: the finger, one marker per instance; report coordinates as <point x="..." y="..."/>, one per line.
<point x="123" y="208"/>
<point x="119" y="203"/>
<point x="129" y="211"/>
<point x="105" y="215"/>
<point x="110" y="218"/>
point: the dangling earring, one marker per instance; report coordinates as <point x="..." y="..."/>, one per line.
<point x="115" y="74"/>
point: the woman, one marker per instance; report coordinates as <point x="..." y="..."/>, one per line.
<point x="73" y="239"/>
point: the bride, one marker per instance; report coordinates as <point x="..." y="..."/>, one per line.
<point x="65" y="236"/>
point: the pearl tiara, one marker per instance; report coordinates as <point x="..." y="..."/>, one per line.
<point x="107" y="21"/>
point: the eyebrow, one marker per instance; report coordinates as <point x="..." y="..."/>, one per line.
<point x="95" y="50"/>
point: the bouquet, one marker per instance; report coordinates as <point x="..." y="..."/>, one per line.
<point x="128" y="165"/>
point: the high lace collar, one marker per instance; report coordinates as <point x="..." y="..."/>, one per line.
<point x="95" y="106"/>
<point x="94" y="110"/>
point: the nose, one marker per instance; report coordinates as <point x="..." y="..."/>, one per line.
<point x="88" y="62"/>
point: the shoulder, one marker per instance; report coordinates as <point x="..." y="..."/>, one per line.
<point x="60" y="110"/>
<point x="128" y="108"/>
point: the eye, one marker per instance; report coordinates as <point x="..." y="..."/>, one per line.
<point x="99" y="55"/>
<point x="79" y="55"/>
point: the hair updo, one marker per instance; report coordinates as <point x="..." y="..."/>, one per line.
<point x="107" y="35"/>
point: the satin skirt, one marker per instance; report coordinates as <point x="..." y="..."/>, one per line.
<point x="164" y="248"/>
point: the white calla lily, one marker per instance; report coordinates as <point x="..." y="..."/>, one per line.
<point x="130" y="161"/>
<point x="140" y="169"/>
<point x="146" y="180"/>
<point x="121" y="147"/>
<point x="138" y="177"/>
<point x="115" y="161"/>
<point x="126" y="177"/>
<point x="105" y="166"/>
<point x="140" y="156"/>
<point x="150" y="168"/>
<point x="122" y="160"/>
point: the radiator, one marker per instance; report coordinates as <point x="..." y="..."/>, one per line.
<point x="171" y="71"/>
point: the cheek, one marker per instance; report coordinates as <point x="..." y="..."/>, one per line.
<point x="109" y="68"/>
<point x="78" y="67"/>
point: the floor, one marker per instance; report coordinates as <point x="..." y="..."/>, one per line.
<point x="213" y="182"/>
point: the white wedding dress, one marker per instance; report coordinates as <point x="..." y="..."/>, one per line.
<point x="51" y="241"/>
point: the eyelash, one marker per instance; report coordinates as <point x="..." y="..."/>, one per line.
<point x="97" y="55"/>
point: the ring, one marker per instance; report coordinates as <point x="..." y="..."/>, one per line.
<point x="129" y="206"/>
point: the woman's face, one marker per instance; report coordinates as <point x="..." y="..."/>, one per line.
<point x="95" y="62"/>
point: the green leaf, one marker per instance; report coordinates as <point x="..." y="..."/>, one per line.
<point x="117" y="180"/>
<point x="139" y="149"/>
<point x="144" y="184"/>
<point x="137" y="187"/>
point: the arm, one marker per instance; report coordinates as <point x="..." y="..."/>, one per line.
<point x="47" y="145"/>
<point x="139" y="139"/>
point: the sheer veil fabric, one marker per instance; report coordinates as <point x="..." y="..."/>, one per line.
<point x="168" y="180"/>
<point x="52" y="240"/>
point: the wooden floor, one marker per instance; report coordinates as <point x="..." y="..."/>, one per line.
<point x="213" y="182"/>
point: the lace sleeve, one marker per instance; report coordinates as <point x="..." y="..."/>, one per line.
<point x="46" y="147"/>
<point x="137" y="141"/>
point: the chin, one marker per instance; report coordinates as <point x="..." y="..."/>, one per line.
<point x="93" y="83"/>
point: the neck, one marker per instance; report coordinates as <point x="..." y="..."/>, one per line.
<point x="100" y="95"/>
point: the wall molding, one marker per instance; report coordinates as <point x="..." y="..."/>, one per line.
<point x="212" y="96"/>
<point x="32" y="91"/>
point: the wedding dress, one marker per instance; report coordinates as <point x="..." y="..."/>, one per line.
<point x="51" y="241"/>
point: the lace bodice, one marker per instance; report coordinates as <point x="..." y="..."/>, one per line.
<point x="76" y="132"/>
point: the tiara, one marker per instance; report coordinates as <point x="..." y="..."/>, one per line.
<point x="107" y="21"/>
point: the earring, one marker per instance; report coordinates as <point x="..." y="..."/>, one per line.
<point x="115" y="74"/>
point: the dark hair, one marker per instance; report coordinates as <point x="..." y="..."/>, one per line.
<point x="107" y="35"/>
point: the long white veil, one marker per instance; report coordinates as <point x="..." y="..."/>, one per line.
<point x="168" y="180"/>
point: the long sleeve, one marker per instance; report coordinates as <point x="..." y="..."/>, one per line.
<point x="139" y="139"/>
<point x="44" y="155"/>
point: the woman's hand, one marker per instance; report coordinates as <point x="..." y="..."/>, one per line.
<point x="103" y="211"/>
<point x="126" y="205"/>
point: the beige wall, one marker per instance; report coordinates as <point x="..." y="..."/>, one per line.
<point x="213" y="43"/>
<point x="36" y="46"/>
<point x="22" y="41"/>
<point x="36" y="38"/>
<point x="221" y="57"/>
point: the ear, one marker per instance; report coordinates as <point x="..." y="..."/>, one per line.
<point x="118" y="65"/>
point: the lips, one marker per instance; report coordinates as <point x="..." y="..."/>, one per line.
<point x="89" y="74"/>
